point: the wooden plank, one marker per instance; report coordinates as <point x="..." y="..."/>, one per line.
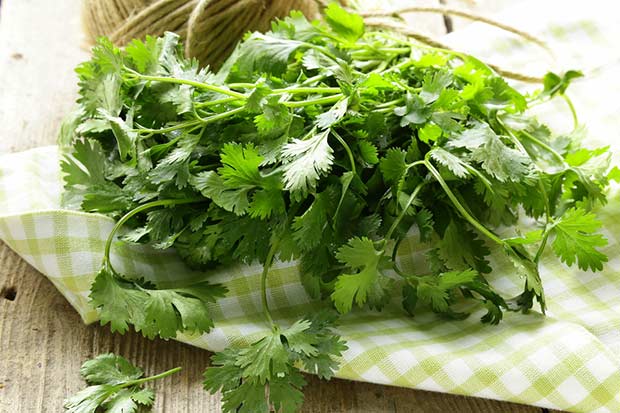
<point x="39" y="46"/>
<point x="42" y="340"/>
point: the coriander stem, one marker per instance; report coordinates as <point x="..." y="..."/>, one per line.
<point x="214" y="102"/>
<point x="137" y="210"/>
<point x="346" y="148"/>
<point x="313" y="79"/>
<point x="222" y="115"/>
<point x="263" y="282"/>
<point x="319" y="101"/>
<point x="288" y="90"/>
<point x="569" y="102"/>
<point x="151" y="378"/>
<point x="241" y="85"/>
<point x="416" y="163"/>
<point x="317" y="90"/>
<point x="545" y="146"/>
<point x="395" y="266"/>
<point x="457" y="204"/>
<point x="323" y="50"/>
<point x="543" y="191"/>
<point x="412" y="198"/>
<point x="543" y="244"/>
<point x="198" y="85"/>
<point x="196" y="122"/>
<point x="170" y="128"/>
<point x="389" y="104"/>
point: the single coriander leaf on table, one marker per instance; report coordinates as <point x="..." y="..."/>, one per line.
<point x="115" y="386"/>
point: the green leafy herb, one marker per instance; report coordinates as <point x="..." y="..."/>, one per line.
<point x="328" y="144"/>
<point x="269" y="366"/>
<point x="115" y="386"/>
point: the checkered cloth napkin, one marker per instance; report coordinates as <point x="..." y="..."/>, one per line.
<point x="568" y="360"/>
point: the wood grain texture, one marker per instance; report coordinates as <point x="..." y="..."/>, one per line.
<point x="42" y="340"/>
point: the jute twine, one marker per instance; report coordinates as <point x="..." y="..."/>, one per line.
<point x="211" y="28"/>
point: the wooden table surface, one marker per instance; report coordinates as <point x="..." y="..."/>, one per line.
<point x="42" y="340"/>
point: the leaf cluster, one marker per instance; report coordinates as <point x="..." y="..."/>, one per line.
<point x="265" y="376"/>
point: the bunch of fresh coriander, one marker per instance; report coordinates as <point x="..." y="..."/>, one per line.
<point x="323" y="143"/>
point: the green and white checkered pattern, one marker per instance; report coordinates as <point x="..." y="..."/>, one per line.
<point x="568" y="360"/>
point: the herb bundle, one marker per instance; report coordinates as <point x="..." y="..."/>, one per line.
<point x="327" y="144"/>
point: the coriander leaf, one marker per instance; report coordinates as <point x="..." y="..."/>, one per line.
<point x="527" y="269"/>
<point x="121" y="402"/>
<point x="349" y="26"/>
<point x="504" y="96"/>
<point x="309" y="227"/>
<point x="409" y="298"/>
<point x="99" y="90"/>
<point x="109" y="369"/>
<point x="614" y="174"/>
<point x="238" y="176"/>
<point x="106" y="198"/>
<point x="89" y="399"/>
<point x="264" y="374"/>
<point x="212" y="186"/>
<point x="266" y="203"/>
<point x="455" y="164"/>
<point x="433" y="85"/>
<point x="144" y="54"/>
<point x="175" y="165"/>
<point x="461" y="248"/>
<point x="555" y="84"/>
<point x="531" y="237"/>
<point x="453" y="279"/>
<point x="180" y="96"/>
<point x="115" y="386"/>
<point x="240" y="165"/>
<point x="393" y="165"/>
<point x="145" y="397"/>
<point x="425" y="223"/>
<point x="499" y="160"/>
<point x="264" y="53"/>
<point x="430" y="133"/>
<point x="83" y="165"/>
<point x="275" y="118"/>
<point x="85" y="183"/>
<point x="332" y="116"/>
<point x="415" y="112"/>
<point x="123" y="132"/>
<point x="577" y="240"/>
<point x="367" y="284"/>
<point x="296" y="26"/>
<point x="369" y="153"/>
<point x="153" y="312"/>
<point x="306" y="160"/>
<point x="436" y="290"/>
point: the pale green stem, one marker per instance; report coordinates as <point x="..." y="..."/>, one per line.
<point x="319" y="101"/>
<point x="410" y="201"/>
<point x="151" y="378"/>
<point x="137" y="210"/>
<point x="457" y="204"/>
